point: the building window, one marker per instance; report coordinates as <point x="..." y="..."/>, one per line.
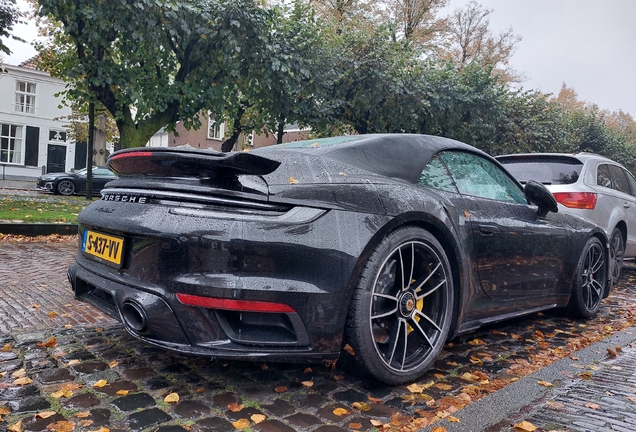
<point x="10" y="143"/>
<point x="24" y="97"/>
<point x="215" y="130"/>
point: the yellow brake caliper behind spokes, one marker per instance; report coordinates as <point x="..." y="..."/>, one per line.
<point x="419" y="305"/>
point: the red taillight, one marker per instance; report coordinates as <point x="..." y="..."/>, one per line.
<point x="132" y="154"/>
<point x="237" y="305"/>
<point x="579" y="200"/>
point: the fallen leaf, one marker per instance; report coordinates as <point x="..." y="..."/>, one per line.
<point x="586" y="375"/>
<point x="23" y="381"/>
<point x="241" y="424"/>
<point x="45" y="414"/>
<point x="308" y="383"/>
<point x="338" y="377"/>
<point x="415" y="388"/>
<point x="85" y="423"/>
<point x="200" y="390"/>
<point x="35" y="306"/>
<point x="258" y="418"/>
<point x="73" y="362"/>
<point x="609" y="393"/>
<point x="293" y="180"/>
<point x="100" y="383"/>
<point x="611" y="353"/>
<point x="5" y="410"/>
<point x="439" y="429"/>
<point x="452" y="419"/>
<point x="341" y="412"/>
<point x="475" y="342"/>
<point x="101" y="429"/>
<point x="122" y="392"/>
<point x="19" y="373"/>
<point x="349" y="349"/>
<point x="525" y="426"/>
<point x="51" y="342"/>
<point x="52" y="314"/>
<point x="619" y="349"/>
<point x="469" y="377"/>
<point x="355" y="426"/>
<point x="16" y="427"/>
<point x="234" y="407"/>
<point x="443" y="387"/>
<point x="593" y="406"/>
<point x="361" y="406"/>
<point x="374" y="399"/>
<point x="264" y="366"/>
<point x="6" y="348"/>
<point x="281" y="389"/>
<point x="555" y="405"/>
<point x="464" y="397"/>
<point x="61" y="426"/>
<point x="545" y="383"/>
<point x="113" y="364"/>
<point x="376" y="423"/>
<point x="307" y="370"/>
<point x="172" y="398"/>
<point x="61" y="394"/>
<point x="83" y="414"/>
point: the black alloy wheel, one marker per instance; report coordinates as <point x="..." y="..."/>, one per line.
<point x="401" y="312"/>
<point x="591" y="280"/>
<point x="616" y="253"/>
<point x="66" y="187"/>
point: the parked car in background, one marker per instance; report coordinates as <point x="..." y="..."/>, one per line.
<point x="591" y="186"/>
<point x="388" y="243"/>
<point x="74" y="182"/>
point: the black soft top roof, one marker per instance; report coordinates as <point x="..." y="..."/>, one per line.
<point x="401" y="156"/>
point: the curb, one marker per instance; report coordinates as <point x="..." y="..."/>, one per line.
<point x="38" y="229"/>
<point x="498" y="406"/>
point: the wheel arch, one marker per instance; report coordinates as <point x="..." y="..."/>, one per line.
<point x="440" y="231"/>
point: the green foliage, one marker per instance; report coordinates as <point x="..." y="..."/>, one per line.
<point x="168" y="59"/>
<point x="51" y="209"/>
<point x="9" y="16"/>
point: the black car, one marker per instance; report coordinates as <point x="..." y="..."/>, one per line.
<point x="390" y="243"/>
<point x="74" y="182"/>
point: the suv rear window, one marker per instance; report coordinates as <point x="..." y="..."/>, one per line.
<point x="545" y="169"/>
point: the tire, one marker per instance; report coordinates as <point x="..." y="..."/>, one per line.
<point x="66" y="187"/>
<point x="591" y="281"/>
<point x="616" y="253"/>
<point x="397" y="325"/>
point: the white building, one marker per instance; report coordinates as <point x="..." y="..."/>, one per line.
<point x="32" y="132"/>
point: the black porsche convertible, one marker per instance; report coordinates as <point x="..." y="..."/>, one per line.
<point x="392" y="244"/>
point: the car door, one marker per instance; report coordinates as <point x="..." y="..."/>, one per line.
<point x="518" y="254"/>
<point x="623" y="197"/>
<point x="101" y="176"/>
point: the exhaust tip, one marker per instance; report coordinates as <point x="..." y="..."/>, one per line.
<point x="134" y="316"/>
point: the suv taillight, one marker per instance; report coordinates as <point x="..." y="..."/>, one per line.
<point x="579" y="200"/>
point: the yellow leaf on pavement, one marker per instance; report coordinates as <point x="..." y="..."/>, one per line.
<point x="83" y="414"/>
<point x="100" y="383"/>
<point x="280" y="389"/>
<point x="308" y="383"/>
<point x="341" y="412"/>
<point x="172" y="398"/>
<point x="6" y="348"/>
<point x="525" y="426"/>
<point x="452" y="419"/>
<point x="241" y="424"/>
<point x="545" y="383"/>
<point x="45" y="414"/>
<point x="23" y="381"/>
<point x="51" y="342"/>
<point x="439" y="429"/>
<point x="234" y="407"/>
<point x="122" y="392"/>
<point x="258" y="418"/>
<point x="17" y="427"/>
<point x="355" y="426"/>
<point x="19" y="373"/>
<point x="113" y="364"/>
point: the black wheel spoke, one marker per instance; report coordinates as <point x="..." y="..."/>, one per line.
<point x="431" y="291"/>
<point x="396" y="339"/>
<point x="430" y="275"/>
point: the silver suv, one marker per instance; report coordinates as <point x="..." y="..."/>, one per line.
<point x="588" y="185"/>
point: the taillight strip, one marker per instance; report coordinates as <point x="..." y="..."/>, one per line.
<point x="236" y="305"/>
<point x="579" y="200"/>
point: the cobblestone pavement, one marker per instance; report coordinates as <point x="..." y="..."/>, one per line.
<point x="79" y="370"/>
<point x="35" y="292"/>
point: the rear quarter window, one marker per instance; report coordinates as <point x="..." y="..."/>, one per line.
<point x="547" y="170"/>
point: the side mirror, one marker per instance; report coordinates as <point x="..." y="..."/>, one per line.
<point x="538" y="194"/>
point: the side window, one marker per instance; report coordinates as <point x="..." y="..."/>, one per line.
<point x="619" y="179"/>
<point x="436" y="176"/>
<point x="632" y="182"/>
<point x="477" y="176"/>
<point x="603" y="176"/>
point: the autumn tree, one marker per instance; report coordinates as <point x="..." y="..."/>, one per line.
<point x="415" y="21"/>
<point x="152" y="63"/>
<point x="469" y="40"/>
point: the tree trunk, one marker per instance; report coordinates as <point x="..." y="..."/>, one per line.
<point x="100" y="154"/>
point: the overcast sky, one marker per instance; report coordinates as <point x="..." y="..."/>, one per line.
<point x="588" y="44"/>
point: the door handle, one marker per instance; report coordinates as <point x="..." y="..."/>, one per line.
<point x="488" y="230"/>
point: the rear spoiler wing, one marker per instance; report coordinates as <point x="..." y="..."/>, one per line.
<point x="173" y="162"/>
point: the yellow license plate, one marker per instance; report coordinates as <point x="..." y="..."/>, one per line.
<point x="106" y="247"/>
